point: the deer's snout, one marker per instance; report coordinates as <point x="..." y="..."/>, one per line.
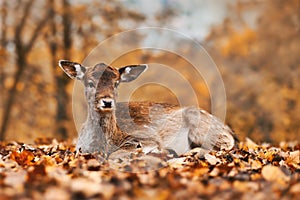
<point x="105" y="104"/>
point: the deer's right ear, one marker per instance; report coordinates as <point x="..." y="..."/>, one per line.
<point x="72" y="69"/>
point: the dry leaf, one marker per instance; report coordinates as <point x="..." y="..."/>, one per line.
<point x="246" y="186"/>
<point x="212" y="160"/>
<point x="293" y="158"/>
<point x="295" y="189"/>
<point x="251" y="145"/>
<point x="15" y="179"/>
<point x="274" y="174"/>
<point x="86" y="187"/>
<point x="22" y="158"/>
<point x="56" y="193"/>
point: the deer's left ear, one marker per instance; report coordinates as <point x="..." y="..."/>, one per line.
<point x="131" y="72"/>
<point x="72" y="69"/>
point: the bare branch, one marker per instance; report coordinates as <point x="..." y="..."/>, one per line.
<point x="36" y="32"/>
<point x="20" y="26"/>
<point x="67" y="29"/>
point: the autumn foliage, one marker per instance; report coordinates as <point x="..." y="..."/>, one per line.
<point x="257" y="49"/>
<point x="53" y="170"/>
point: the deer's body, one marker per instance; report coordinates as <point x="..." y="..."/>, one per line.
<point x="111" y="126"/>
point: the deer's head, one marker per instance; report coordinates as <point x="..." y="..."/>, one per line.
<point x="101" y="81"/>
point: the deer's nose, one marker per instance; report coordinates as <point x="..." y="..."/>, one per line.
<point x="105" y="104"/>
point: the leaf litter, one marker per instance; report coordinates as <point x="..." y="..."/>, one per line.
<point x="54" y="170"/>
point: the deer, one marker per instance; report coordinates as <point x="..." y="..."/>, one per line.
<point x="111" y="126"/>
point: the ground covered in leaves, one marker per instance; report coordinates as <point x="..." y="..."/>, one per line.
<point x="52" y="170"/>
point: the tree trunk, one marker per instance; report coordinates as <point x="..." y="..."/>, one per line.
<point x="21" y="63"/>
<point x="62" y="97"/>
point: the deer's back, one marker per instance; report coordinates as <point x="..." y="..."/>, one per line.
<point x="133" y="115"/>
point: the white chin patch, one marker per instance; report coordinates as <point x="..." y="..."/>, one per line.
<point x="79" y="73"/>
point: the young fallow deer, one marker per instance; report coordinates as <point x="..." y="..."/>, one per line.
<point x="154" y="127"/>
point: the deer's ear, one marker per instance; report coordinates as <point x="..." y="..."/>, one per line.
<point x="72" y="69"/>
<point x="131" y="72"/>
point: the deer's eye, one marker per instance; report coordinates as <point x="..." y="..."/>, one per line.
<point x="91" y="84"/>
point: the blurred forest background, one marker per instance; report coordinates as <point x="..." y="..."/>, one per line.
<point x="255" y="44"/>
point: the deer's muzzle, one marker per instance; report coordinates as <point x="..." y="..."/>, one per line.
<point x="105" y="104"/>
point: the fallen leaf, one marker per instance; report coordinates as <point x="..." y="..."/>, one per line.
<point x="16" y="179"/>
<point x="246" y="186"/>
<point x="56" y="193"/>
<point x="23" y="158"/>
<point x="274" y="174"/>
<point x="295" y="189"/>
<point x="250" y="144"/>
<point x="86" y="187"/>
<point x="294" y="157"/>
<point x="177" y="162"/>
<point x="212" y="160"/>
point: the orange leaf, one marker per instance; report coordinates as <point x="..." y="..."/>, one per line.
<point x="22" y="158"/>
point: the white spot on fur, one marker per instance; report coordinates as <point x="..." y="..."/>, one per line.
<point x="79" y="72"/>
<point x="127" y="70"/>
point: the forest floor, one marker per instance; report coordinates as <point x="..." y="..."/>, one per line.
<point x="50" y="170"/>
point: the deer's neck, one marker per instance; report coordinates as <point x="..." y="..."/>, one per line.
<point x="107" y="124"/>
<point x="100" y="132"/>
